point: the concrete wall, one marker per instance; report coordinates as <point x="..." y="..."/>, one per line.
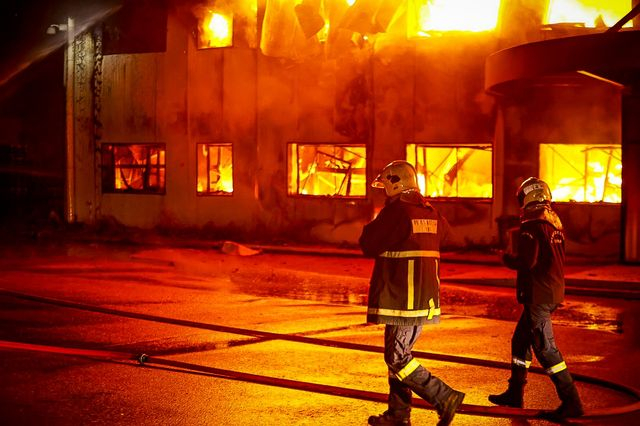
<point x="384" y="93"/>
<point x="561" y="109"/>
<point x="558" y="111"/>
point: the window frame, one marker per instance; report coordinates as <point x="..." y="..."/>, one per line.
<point x="108" y="171"/>
<point x="289" y="177"/>
<point x="483" y="146"/>
<point x="591" y="146"/>
<point x="210" y="193"/>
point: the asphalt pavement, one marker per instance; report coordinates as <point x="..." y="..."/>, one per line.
<point x="238" y="331"/>
<point x="583" y="276"/>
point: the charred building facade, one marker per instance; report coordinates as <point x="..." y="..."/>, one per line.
<point x="269" y="119"/>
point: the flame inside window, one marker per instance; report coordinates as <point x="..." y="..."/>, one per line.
<point x="216" y="30"/>
<point x="588" y="13"/>
<point x="327" y="170"/>
<point x="582" y="173"/>
<point x="133" y="168"/>
<point x="453" y="171"/>
<point x="426" y="16"/>
<point x="215" y="169"/>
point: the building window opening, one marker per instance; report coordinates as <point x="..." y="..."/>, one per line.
<point x="133" y="168"/>
<point x="587" y="13"/>
<point x="215" y="169"/>
<point x="215" y="29"/>
<point x="327" y="170"/>
<point x="453" y="171"/>
<point x="426" y="17"/>
<point x="582" y="173"/>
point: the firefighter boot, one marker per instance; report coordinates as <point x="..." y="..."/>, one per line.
<point x="388" y="419"/>
<point x="399" y="400"/>
<point x="514" y="395"/>
<point x="448" y="408"/>
<point x="570" y="405"/>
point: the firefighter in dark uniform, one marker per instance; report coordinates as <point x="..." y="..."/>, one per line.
<point x="405" y="239"/>
<point x="540" y="288"/>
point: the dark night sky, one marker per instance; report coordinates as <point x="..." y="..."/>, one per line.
<point x="25" y="22"/>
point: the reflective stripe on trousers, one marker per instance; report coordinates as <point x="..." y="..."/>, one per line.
<point x="534" y="331"/>
<point x="406" y="373"/>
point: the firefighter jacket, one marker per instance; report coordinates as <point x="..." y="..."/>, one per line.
<point x="405" y="241"/>
<point x="540" y="257"/>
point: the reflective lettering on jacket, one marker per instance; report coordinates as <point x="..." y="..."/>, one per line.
<point x="429" y="226"/>
<point x="405" y="284"/>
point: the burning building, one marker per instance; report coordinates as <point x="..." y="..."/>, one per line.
<point x="268" y="119"/>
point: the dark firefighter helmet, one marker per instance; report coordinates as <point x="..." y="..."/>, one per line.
<point x="533" y="190"/>
<point x="396" y="177"/>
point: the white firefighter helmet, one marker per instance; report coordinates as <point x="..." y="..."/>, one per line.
<point x="396" y="177"/>
<point x="533" y="190"/>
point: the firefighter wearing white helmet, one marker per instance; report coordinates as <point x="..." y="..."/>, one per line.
<point x="540" y="289"/>
<point x="396" y="177"/>
<point x="533" y="190"/>
<point x="404" y="292"/>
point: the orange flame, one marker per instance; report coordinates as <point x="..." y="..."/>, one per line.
<point x="216" y="30"/>
<point x="327" y="170"/>
<point x="456" y="172"/>
<point x="215" y="169"/>
<point x="453" y="15"/>
<point x="590" y="13"/>
<point x="582" y="173"/>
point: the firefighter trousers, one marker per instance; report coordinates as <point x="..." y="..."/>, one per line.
<point x="535" y="331"/>
<point x="406" y="375"/>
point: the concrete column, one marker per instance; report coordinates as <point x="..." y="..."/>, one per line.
<point x="84" y="139"/>
<point x="631" y="175"/>
<point x="70" y="195"/>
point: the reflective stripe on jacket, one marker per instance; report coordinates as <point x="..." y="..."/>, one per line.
<point x="405" y="241"/>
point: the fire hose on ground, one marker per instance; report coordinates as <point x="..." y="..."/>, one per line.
<point x="147" y="360"/>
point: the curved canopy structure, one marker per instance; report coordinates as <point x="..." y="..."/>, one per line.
<point x="611" y="56"/>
